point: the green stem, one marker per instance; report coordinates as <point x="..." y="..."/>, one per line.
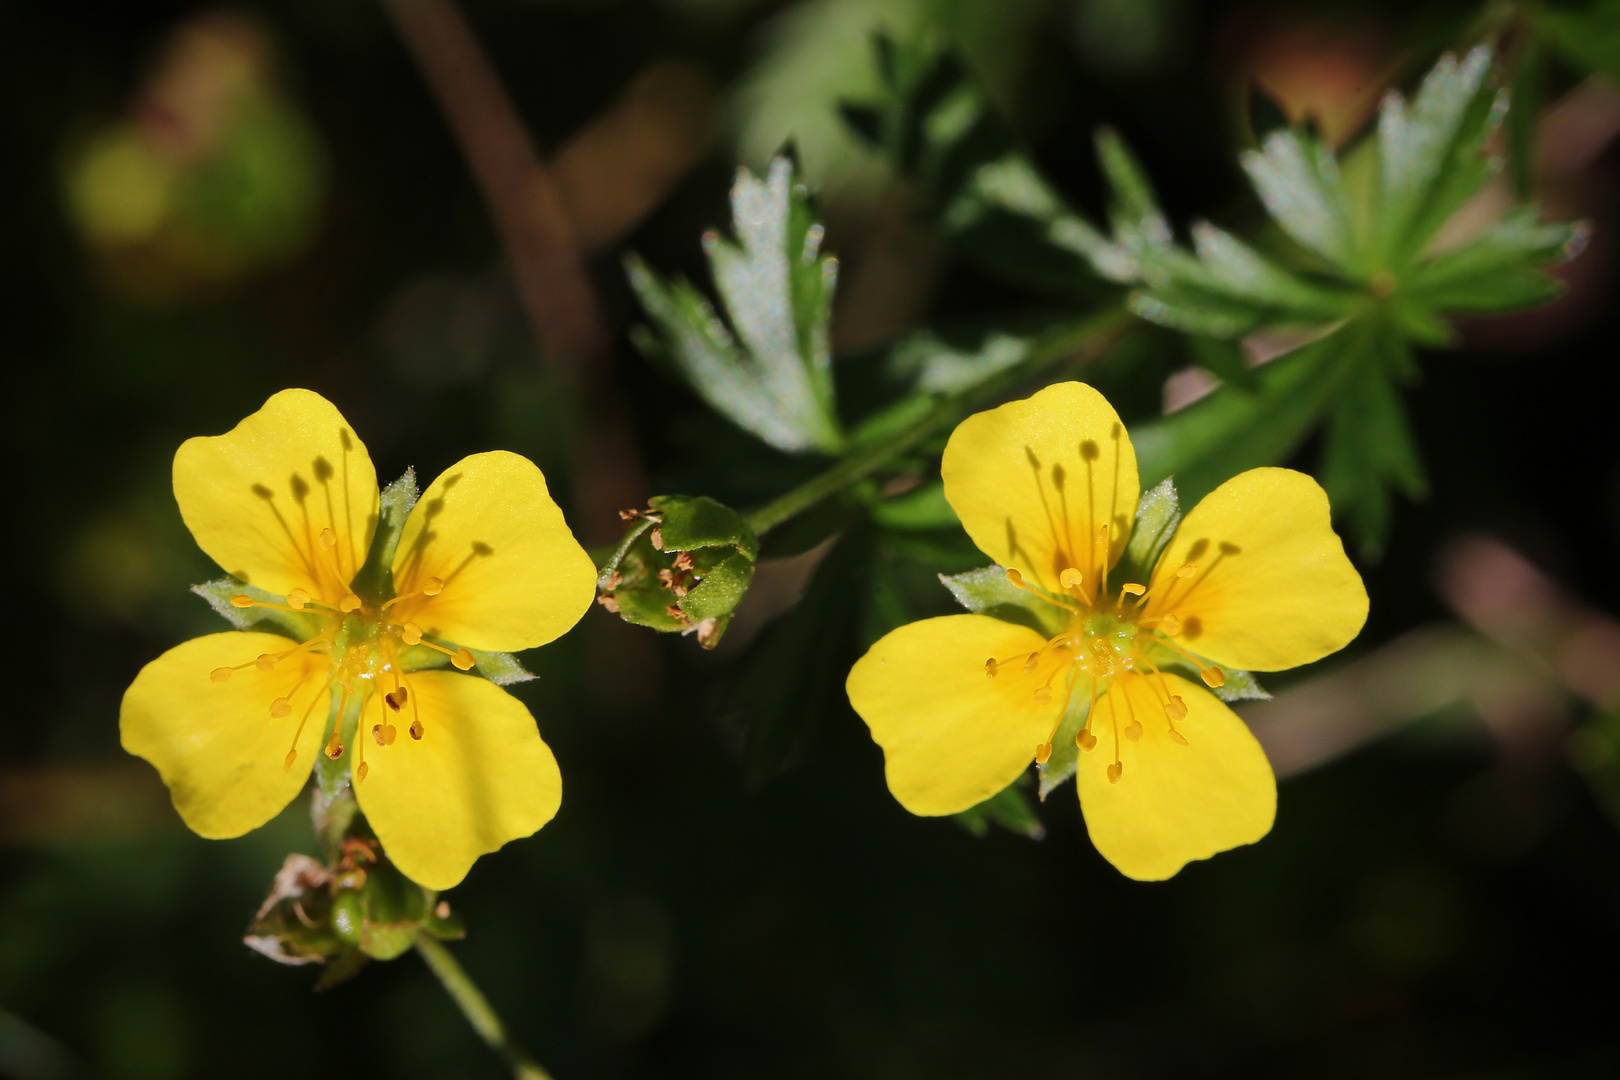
<point x="1085" y="340"/>
<point x="476" y="1008"/>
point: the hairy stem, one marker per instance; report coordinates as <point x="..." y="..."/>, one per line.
<point x="1085" y="340"/>
<point x="476" y="1008"/>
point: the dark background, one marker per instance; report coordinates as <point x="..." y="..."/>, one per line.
<point x="1441" y="902"/>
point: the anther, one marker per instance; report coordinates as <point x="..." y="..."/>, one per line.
<point x="292" y="756"/>
<point x="241" y="600"/>
<point x="434" y="587"/>
<point x="1042" y="753"/>
<point x="328" y="539"/>
<point x="360" y="772"/>
<point x="1177" y="737"/>
<point x="1043" y="696"/>
<point x="1133" y="731"/>
<point x="410" y="634"/>
<point x="1070" y="578"/>
<point x="1032" y="663"/>
<point x="297" y="599"/>
<point x="265" y="662"/>
<point x="334" y="748"/>
<point x="1213" y="677"/>
<point x="1114" y="772"/>
<point x="378" y="734"/>
<point x="390" y="732"/>
<point x="989" y="669"/>
<point x="463" y="659"/>
<point x="396" y="698"/>
<point x="1131" y="588"/>
<point x="416" y="729"/>
<point x="1012" y="575"/>
<point x="220" y="674"/>
<point x="1085" y="740"/>
<point x="1170" y="624"/>
<point x="1187" y="571"/>
<point x="350" y="603"/>
<point x="280" y="707"/>
<point x="1175" y="708"/>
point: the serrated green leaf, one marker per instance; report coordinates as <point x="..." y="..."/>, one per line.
<point x="1009" y="808"/>
<point x="1134" y="212"/>
<point x="1431" y="153"/>
<point x="1298" y="181"/>
<point x="770" y="371"/>
<point x="1499" y="270"/>
<point x="987" y="591"/>
<point x="375" y="580"/>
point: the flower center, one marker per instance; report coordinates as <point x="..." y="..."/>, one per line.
<point x="1108" y="642"/>
<point x="363" y="645"/>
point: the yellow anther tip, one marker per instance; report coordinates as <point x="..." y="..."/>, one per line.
<point x="1115" y="771"/>
<point x="350" y="603"/>
<point x="328" y="539"/>
<point x="297" y="599"/>
<point x="1131" y="588"/>
<point x="989" y="667"/>
<point x="360" y="773"/>
<point x="416" y="729"/>
<point x="1214" y="678"/>
<point x="241" y="600"/>
<point x="1187" y="571"/>
<point x="1133" y="731"/>
<point x="1085" y="740"/>
<point x="1175" y="708"/>
<point x="410" y="634"/>
<point x="292" y="756"/>
<point x="1170" y="625"/>
<point x="1043" y="696"/>
<point x="1014" y="576"/>
<point x="463" y="660"/>
<point x="1042" y="753"/>
<point x="1071" y="578"/>
<point x="434" y="586"/>
<point x="1177" y="737"/>
<point x="280" y="707"/>
<point x="265" y="662"/>
<point x="220" y="674"/>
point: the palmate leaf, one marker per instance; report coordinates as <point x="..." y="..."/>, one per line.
<point x="1374" y="272"/>
<point x="770" y="370"/>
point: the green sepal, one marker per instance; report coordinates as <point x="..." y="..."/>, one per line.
<point x="987" y="591"/>
<point x="1158" y="512"/>
<point x="375" y="580"/>
<point x="1064" y="760"/>
<point x="1238" y="685"/>
<point x="218" y="593"/>
<point x="687" y="523"/>
<point x="1009" y="809"/>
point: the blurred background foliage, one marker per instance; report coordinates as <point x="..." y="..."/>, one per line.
<point x="205" y="204"/>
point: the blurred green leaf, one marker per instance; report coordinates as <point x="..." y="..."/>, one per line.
<point x="770" y="370"/>
<point x="1589" y="38"/>
<point x="920" y="508"/>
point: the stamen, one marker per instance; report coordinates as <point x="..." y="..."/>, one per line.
<point x="1084" y="739"/>
<point x="328" y="539"/>
<point x="1043" y="753"/>
<point x="1032" y="663"/>
<point x="1177" y="737"/>
<point x="220" y="674"/>
<point x="280" y="707"/>
<point x="360" y="772"/>
<point x="266" y="661"/>
<point x="463" y="659"/>
<point x="1175" y="708"/>
<point x="242" y="600"/>
<point x="1131" y="588"/>
<point x="433" y="587"/>
<point x="1043" y="696"/>
<point x="334" y="747"/>
<point x="1187" y="571"/>
<point x="297" y="599"/>
<point x="1133" y="731"/>
<point x="349" y="603"/>
<point x="378" y="734"/>
<point x="1170" y="624"/>
<point x="1213" y="677"/>
<point x="1070" y="578"/>
<point x="292" y="755"/>
<point x="396" y="699"/>
<point x="1114" y="772"/>
<point x="410" y="634"/>
<point x="989" y="669"/>
<point x="416" y="729"/>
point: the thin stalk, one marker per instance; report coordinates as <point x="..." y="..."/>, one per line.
<point x="477" y="1009"/>
<point x="1085" y="340"/>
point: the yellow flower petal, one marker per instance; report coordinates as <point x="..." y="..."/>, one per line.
<point x="1172" y="803"/>
<point x="257" y="497"/>
<point x="512" y="574"/>
<point x="1035" y="480"/>
<point x="951" y="735"/>
<point x="1272" y="588"/>
<point x="478" y="776"/>
<point x="219" y="746"/>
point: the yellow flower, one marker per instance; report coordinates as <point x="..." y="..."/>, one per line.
<point x="446" y="766"/>
<point x="1254" y="578"/>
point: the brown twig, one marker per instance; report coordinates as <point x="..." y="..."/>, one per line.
<point x="523" y="198"/>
